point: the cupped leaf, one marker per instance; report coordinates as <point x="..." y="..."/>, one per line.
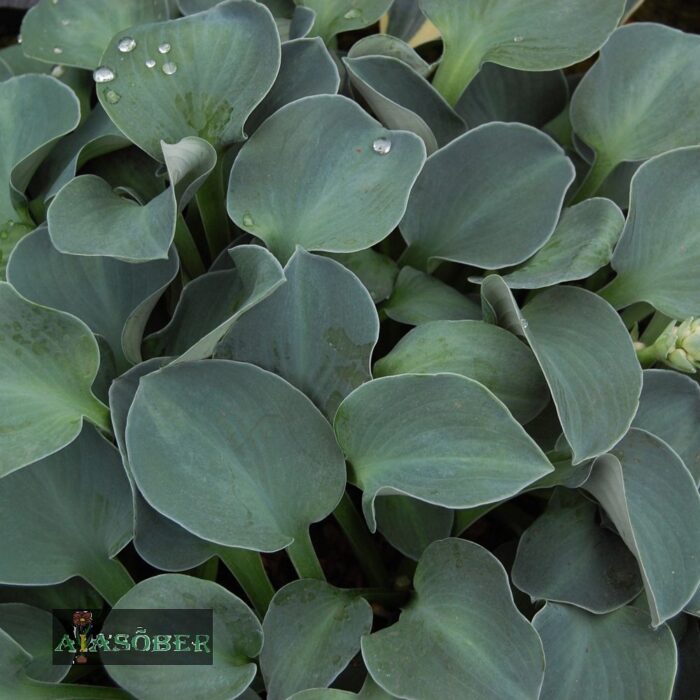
<point x="491" y="198"/>
<point x="342" y="192"/>
<point x="375" y="270"/>
<point x="317" y="331"/>
<point x="200" y="75"/>
<point x="335" y="16"/>
<point x="48" y="361"/>
<point x="236" y="641"/>
<point x="658" y="255"/>
<point x="654" y="503"/>
<point x="461" y="637"/>
<point x="617" y="655"/>
<point x="26" y="136"/>
<point x="212" y="304"/>
<point x="306" y="69"/>
<point x="88" y="217"/>
<point x="76" y="33"/>
<point x="567" y="557"/>
<point x="669" y="407"/>
<point x="259" y="454"/>
<point x="410" y="525"/>
<point x="474" y="349"/>
<point x="114" y="298"/>
<point x="499" y="94"/>
<point x="630" y="105"/>
<point x="402" y="99"/>
<point x="537" y="35"/>
<point x="581" y="244"/>
<point x="72" y="511"/>
<point x="441" y="438"/>
<point x="312" y="631"/>
<point x="587" y="358"/>
<point x="419" y="298"/>
<point x="31" y="628"/>
<point x="16" y="684"/>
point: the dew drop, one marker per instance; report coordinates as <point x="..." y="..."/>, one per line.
<point x="169" y="68"/>
<point x="524" y="324"/>
<point x="58" y="71"/>
<point x="164" y="48"/>
<point x="112" y="97"/>
<point x="248" y="220"/>
<point x="57" y="50"/>
<point x="19" y="38"/>
<point x="352" y="14"/>
<point x="150" y="63"/>
<point x="126" y="44"/>
<point x="381" y="146"/>
<point x="54" y="2"/>
<point x="103" y="75"/>
<point x="65" y="22"/>
<point x="518" y="39"/>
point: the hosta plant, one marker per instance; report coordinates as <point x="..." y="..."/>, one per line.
<point x="383" y="351"/>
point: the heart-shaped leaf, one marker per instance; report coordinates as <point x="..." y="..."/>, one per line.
<point x="88" y="217"/>
<point x="335" y="16"/>
<point x="402" y="99"/>
<point x="616" y="655"/>
<point x="168" y="87"/>
<point x="658" y="255"/>
<point x="587" y="358"/>
<point x="629" y="105"/>
<point x="567" y="557"/>
<point x="537" y="35"/>
<point x="72" y="510"/>
<point x="462" y="636"/>
<point x="669" y="407"/>
<point x="114" y="298"/>
<point x="306" y="69"/>
<point x="48" y="361"/>
<point x="654" y="503"/>
<point x="499" y="94"/>
<point x="250" y="453"/>
<point x="236" y="641"/>
<point x="410" y="525"/>
<point x="317" y="331"/>
<point x="211" y="304"/>
<point x="491" y="198"/>
<point x="26" y="136"/>
<point x="419" y="298"/>
<point x="581" y="244"/>
<point x="474" y="349"/>
<point x="76" y="33"/>
<point x="343" y="193"/>
<point x="312" y="631"/>
<point x="31" y="628"/>
<point x="442" y="438"/>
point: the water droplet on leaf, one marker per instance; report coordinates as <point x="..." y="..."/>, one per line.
<point x="518" y="39"/>
<point x="169" y="68"/>
<point x="352" y="14"/>
<point x="65" y="22"/>
<point x="126" y="44"/>
<point x="381" y="146"/>
<point x="112" y="97"/>
<point x="523" y="323"/>
<point x="19" y="38"/>
<point x="164" y="48"/>
<point x="103" y="74"/>
<point x="58" y="71"/>
<point x="150" y="63"/>
<point x="248" y="220"/>
<point x="57" y="50"/>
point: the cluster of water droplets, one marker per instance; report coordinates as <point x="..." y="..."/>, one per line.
<point x="127" y="44"/>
